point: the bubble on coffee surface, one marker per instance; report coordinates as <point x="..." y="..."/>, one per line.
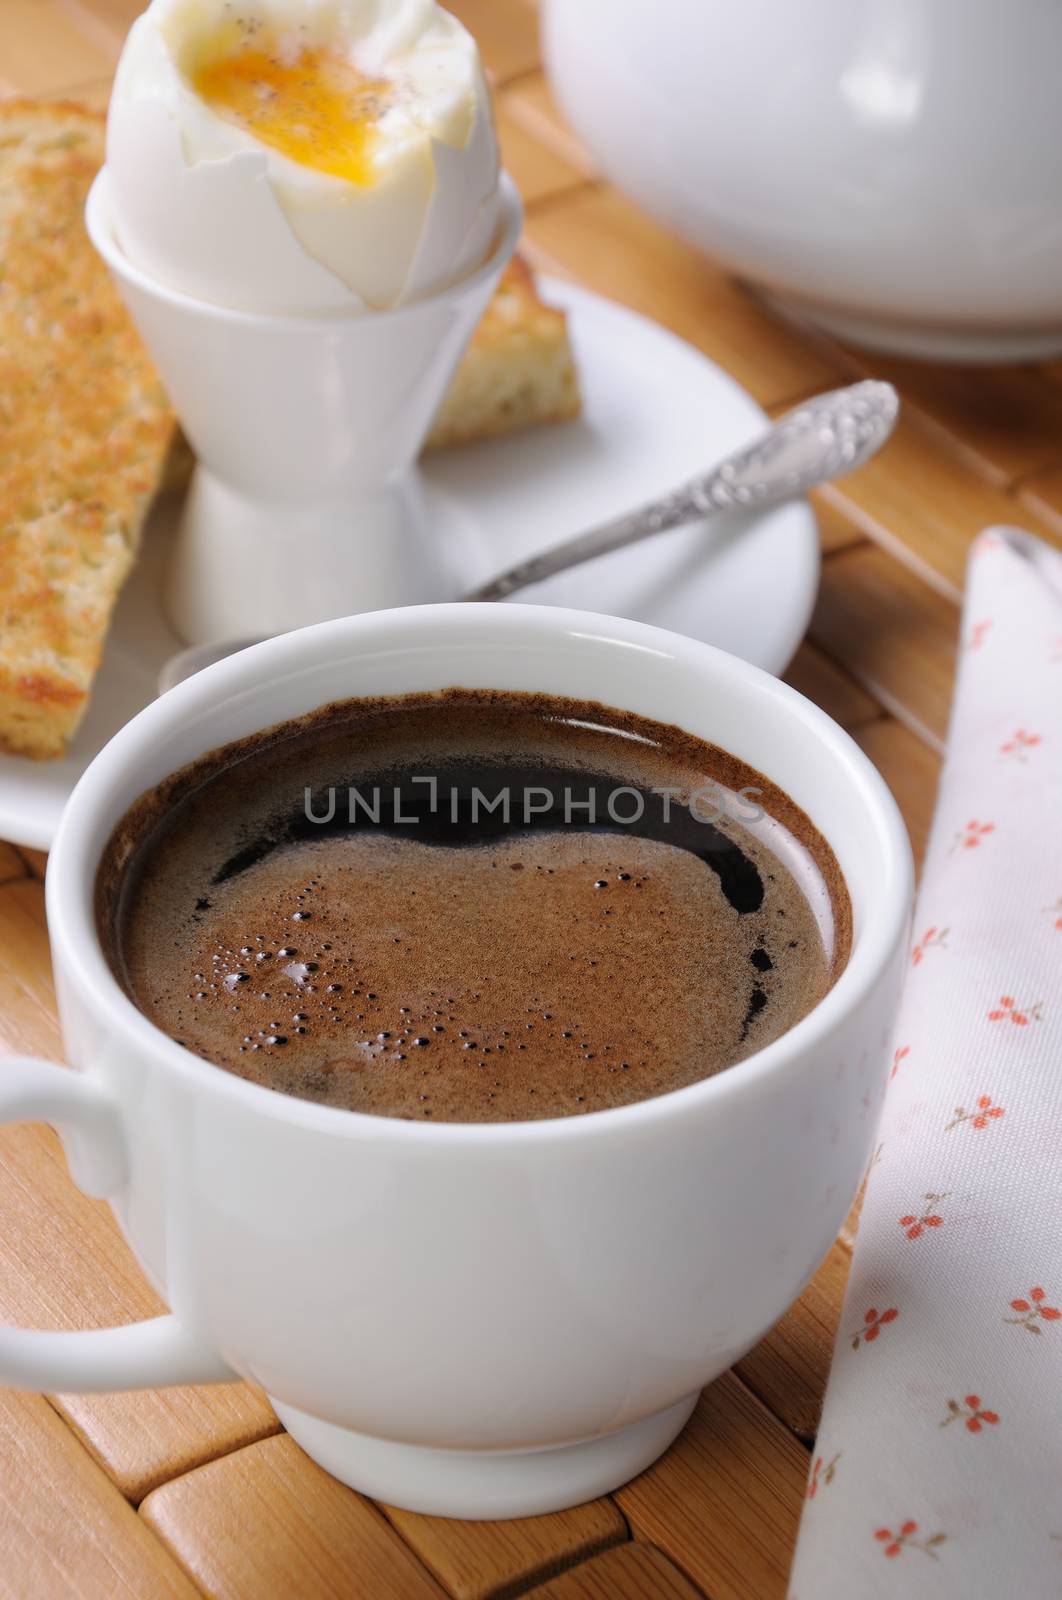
<point x="437" y="973"/>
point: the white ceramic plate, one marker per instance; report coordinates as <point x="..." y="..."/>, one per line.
<point x="656" y="412"/>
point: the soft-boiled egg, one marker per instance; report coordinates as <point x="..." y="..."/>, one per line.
<point x="302" y="156"/>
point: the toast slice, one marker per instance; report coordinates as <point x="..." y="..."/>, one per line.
<point x="87" y="437"/>
<point x="518" y="372"/>
<point x="84" y="428"/>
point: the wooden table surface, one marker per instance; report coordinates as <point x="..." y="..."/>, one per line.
<point x="191" y="1491"/>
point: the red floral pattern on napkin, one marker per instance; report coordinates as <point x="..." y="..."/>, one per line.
<point x="943" y="1399"/>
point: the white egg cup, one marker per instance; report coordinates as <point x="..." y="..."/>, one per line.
<point x="305" y="503"/>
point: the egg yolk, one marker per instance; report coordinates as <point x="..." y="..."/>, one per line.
<point x="318" y="110"/>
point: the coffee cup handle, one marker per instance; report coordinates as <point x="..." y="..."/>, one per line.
<point x="142" y="1355"/>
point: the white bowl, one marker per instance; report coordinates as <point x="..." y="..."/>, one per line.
<point x="889" y="168"/>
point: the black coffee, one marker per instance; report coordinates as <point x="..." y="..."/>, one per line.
<point x="471" y="907"/>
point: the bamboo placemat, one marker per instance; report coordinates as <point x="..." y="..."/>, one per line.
<point x="192" y="1491"/>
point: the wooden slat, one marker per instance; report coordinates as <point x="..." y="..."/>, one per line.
<point x="835" y="690"/>
<point x="11" y="864"/>
<point x="266" y="1521"/>
<point x="25" y="960"/>
<point x="506" y="32"/>
<point x="893" y="633"/>
<point x="788" y="1369"/>
<point x="95" y="94"/>
<point x="481" y="1560"/>
<point x="26" y="1027"/>
<point x="725" y="1500"/>
<point x="64" y="1529"/>
<point x="42" y="48"/>
<point x="837" y="530"/>
<point x="64" y="1264"/>
<point x="599" y="238"/>
<point x="144" y="1439"/>
<point x="531" y="102"/>
<point x="1042" y="496"/>
<point x="35" y="861"/>
<point x="538" y="171"/>
<point x="923" y="503"/>
<point x="636" y="1572"/>
<point x="910" y="768"/>
<point x="27" y="893"/>
<point x="1006" y="421"/>
<point x="113" y="18"/>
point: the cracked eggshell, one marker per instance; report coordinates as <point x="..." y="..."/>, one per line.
<point x="205" y="210"/>
<point x="214" y="231"/>
<point x="462" y="217"/>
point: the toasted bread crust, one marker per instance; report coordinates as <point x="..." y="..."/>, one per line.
<point x="84" y="428"/>
<point x="86" y="431"/>
<point x="518" y="372"/>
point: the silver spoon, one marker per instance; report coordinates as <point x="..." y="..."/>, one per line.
<point x="823" y="438"/>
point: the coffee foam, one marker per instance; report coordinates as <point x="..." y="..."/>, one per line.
<point x="533" y="974"/>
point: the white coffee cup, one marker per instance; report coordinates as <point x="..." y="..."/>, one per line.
<point x="473" y="1320"/>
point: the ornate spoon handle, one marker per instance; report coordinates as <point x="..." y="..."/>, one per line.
<point x="823" y="438"/>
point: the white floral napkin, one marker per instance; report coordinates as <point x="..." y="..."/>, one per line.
<point x="938" y="1467"/>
